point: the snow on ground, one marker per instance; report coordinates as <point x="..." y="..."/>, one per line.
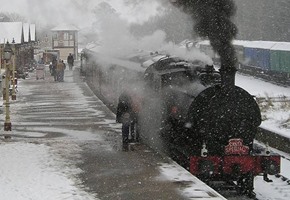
<point x="176" y="173"/>
<point x="261" y="88"/>
<point x="275" y="115"/>
<point x="33" y="171"/>
<point x="271" y="191"/>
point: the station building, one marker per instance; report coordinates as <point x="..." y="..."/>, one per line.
<point x="65" y="40"/>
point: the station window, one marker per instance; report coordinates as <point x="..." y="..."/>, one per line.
<point x="65" y="36"/>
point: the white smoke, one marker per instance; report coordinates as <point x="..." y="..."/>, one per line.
<point x="116" y="40"/>
<point x="191" y="54"/>
<point x="78" y="12"/>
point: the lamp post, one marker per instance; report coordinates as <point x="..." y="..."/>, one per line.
<point x="7" y="57"/>
<point x="13" y="96"/>
<point x="3" y="77"/>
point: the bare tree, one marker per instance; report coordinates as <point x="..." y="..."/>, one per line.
<point x="11" y="17"/>
<point x="263" y="20"/>
<point x="176" y="24"/>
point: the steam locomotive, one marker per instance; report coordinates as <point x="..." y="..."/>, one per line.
<point x="183" y="110"/>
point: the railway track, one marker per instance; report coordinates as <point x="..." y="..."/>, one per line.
<point x="273" y="140"/>
<point x="280" y="99"/>
<point x="279" y="187"/>
<point x="278" y="79"/>
<point x="228" y="190"/>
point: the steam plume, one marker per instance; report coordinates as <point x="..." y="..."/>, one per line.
<point x="213" y="20"/>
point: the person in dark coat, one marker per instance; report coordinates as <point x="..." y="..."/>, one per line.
<point x="60" y="70"/>
<point x="53" y="67"/>
<point x="70" y="61"/>
<point x="124" y="115"/>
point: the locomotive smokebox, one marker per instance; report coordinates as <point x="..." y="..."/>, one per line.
<point x="217" y="115"/>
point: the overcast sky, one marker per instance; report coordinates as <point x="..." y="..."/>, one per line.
<point x="75" y="11"/>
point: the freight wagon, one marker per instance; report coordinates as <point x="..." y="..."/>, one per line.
<point x="266" y="59"/>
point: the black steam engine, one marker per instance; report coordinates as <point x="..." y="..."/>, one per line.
<point x="185" y="111"/>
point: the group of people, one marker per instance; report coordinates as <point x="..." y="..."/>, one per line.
<point x="57" y="67"/>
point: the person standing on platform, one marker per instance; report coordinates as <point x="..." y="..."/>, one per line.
<point x="53" y="68"/>
<point x="70" y="61"/>
<point x="60" y="70"/>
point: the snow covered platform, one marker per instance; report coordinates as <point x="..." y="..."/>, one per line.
<point x="66" y="145"/>
<point x="142" y="174"/>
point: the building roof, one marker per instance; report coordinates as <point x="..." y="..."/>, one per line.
<point x="10" y="31"/>
<point x="281" y="46"/>
<point x="26" y="32"/>
<point x="65" y="27"/>
<point x="260" y="44"/>
<point x="33" y="32"/>
<point x="19" y="31"/>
